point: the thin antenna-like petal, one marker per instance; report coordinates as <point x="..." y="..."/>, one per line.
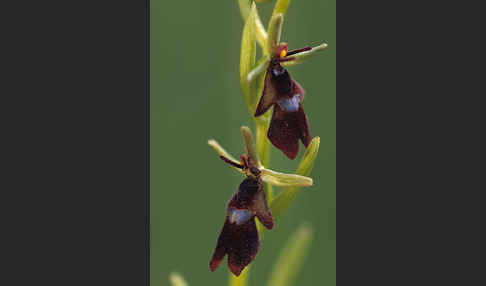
<point x="220" y="150"/>
<point x="299" y="58"/>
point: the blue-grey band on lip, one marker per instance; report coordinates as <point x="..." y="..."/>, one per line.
<point x="290" y="104"/>
<point x="239" y="216"/>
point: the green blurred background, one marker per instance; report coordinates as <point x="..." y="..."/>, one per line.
<point x="195" y="95"/>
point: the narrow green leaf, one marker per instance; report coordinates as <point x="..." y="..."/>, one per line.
<point x="300" y="57"/>
<point x="307" y="162"/>
<point x="247" y="60"/>
<point x="282" y="202"/>
<point x="285" y="180"/>
<point x="241" y="280"/>
<point x="281" y="7"/>
<point x="263" y="150"/>
<point x="261" y="33"/>
<point x="291" y="258"/>
<point x="177" y="280"/>
<point x="245" y="9"/>
<point x="274" y="32"/>
<point x="250" y="149"/>
<point x="220" y="150"/>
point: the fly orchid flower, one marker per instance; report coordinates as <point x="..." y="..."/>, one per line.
<point x="239" y="236"/>
<point x="289" y="122"/>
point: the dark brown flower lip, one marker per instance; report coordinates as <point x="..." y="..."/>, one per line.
<point x="287" y="128"/>
<point x="289" y="123"/>
<point x="239" y="242"/>
<point x="239" y="237"/>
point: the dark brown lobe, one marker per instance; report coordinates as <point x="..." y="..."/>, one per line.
<point x="239" y="236"/>
<point x="289" y="123"/>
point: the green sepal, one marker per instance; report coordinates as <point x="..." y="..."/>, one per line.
<point x="285" y="180"/>
<point x="274" y="32"/>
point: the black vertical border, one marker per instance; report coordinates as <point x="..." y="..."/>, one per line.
<point x="147" y="226"/>
<point x="75" y="133"/>
<point x="410" y="146"/>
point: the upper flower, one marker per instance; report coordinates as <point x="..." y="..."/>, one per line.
<point x="289" y="122"/>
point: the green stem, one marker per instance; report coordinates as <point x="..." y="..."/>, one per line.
<point x="262" y="143"/>
<point x="263" y="146"/>
<point x="241" y="280"/>
<point x="263" y="150"/>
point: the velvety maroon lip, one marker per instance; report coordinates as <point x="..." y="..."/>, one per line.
<point x="288" y="126"/>
<point x="239" y="237"/>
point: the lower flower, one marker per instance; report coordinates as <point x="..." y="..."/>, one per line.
<point x="239" y="236"/>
